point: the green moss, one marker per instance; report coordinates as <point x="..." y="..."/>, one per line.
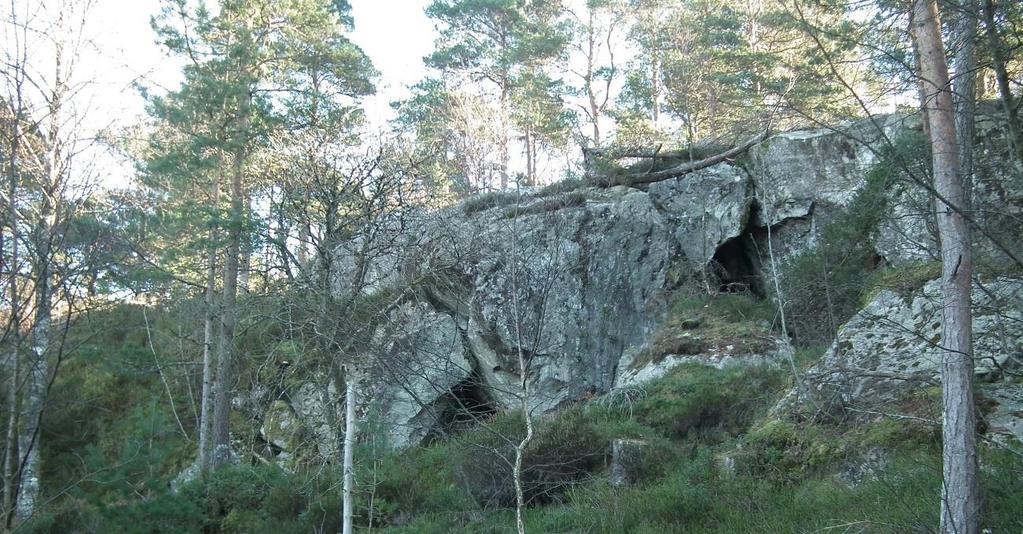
<point x="571" y="199"/>
<point x="708" y="402"/>
<point x="486" y="201"/>
<point x="724" y="323"/>
<point x="904" y="280"/>
<point x="564" y="186"/>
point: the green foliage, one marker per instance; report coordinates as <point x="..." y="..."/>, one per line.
<point x="904" y="279"/>
<point x="564" y="451"/>
<point x="782" y="480"/>
<point x="417" y="481"/>
<point x="734" y="323"/>
<point x="788" y="452"/>
<point x="730" y="307"/>
<point x="696" y="497"/>
<point x="710" y="403"/>
<point x="720" y="69"/>
<point x="823" y="286"/>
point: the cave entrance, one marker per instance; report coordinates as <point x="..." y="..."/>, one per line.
<point x="736" y="263"/>
<point x="465" y="405"/>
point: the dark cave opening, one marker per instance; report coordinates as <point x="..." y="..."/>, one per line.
<point x="736" y="264"/>
<point x="465" y="405"/>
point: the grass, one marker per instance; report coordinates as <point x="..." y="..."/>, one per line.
<point x="904" y="280"/>
<point x="486" y="201"/>
<point x="782" y="479"/>
<point x="570" y="199"/>
<point x="727" y="323"/>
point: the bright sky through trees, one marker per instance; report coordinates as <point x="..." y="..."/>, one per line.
<point x="124" y="52"/>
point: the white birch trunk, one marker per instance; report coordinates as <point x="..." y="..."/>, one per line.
<point x="348" y="461"/>
<point x="32" y="405"/>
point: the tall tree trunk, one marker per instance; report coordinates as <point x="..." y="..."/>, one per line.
<point x="529" y="157"/>
<point x="921" y="85"/>
<point x="32" y="405"/>
<point x="505" y="150"/>
<point x="245" y="266"/>
<point x="10" y="439"/>
<point x="960" y="499"/>
<point x="964" y="64"/>
<point x="38" y="366"/>
<point x="591" y="53"/>
<point x="998" y="62"/>
<point x="208" y="332"/>
<point x="10" y="451"/>
<point x="228" y="308"/>
<point x="349" y="451"/>
<point x="655" y="84"/>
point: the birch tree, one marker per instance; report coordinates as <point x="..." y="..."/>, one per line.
<point x="48" y="179"/>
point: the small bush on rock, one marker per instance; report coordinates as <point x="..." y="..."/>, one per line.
<point x="565" y="450"/>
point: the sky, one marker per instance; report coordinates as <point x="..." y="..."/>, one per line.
<point x="395" y="34"/>
<point x="123" y="52"/>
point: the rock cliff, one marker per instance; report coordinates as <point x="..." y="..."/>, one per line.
<point x="578" y="281"/>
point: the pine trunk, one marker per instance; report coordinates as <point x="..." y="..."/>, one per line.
<point x="228" y="314"/>
<point x="209" y="318"/>
<point x="960" y="494"/>
<point x="965" y="87"/>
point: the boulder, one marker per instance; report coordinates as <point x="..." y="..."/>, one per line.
<point x="281" y="428"/>
<point x="421" y="360"/>
<point x="889" y="353"/>
<point x="318" y="407"/>
<point x="625" y="455"/>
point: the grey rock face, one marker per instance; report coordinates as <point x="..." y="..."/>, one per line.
<point x="316" y="406"/>
<point x="624" y="453"/>
<point x="706" y="208"/>
<point x="806" y="178"/>
<point x="422" y="359"/>
<point x="572" y="290"/>
<point x="575" y="283"/>
<point x="868" y="466"/>
<point x="890" y="350"/>
<point x="630" y="375"/>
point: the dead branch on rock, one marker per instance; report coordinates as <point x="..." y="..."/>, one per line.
<point x="678" y="170"/>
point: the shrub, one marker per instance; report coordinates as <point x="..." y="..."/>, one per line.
<point x="565" y="450"/>
<point x="904" y="280"/>
<point x="400" y="485"/>
<point x="823" y="285"/>
<point x="709" y="402"/>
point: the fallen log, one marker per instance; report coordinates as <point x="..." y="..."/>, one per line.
<point x="678" y="170"/>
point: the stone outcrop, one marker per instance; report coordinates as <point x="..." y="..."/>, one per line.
<point x="887" y="357"/>
<point x="575" y="282"/>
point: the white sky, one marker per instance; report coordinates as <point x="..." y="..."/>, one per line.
<point x="395" y="34"/>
